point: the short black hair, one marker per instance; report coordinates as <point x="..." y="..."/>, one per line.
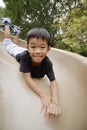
<point x="39" y="33"/>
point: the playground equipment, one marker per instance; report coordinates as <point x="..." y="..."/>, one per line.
<point x="20" y="107"/>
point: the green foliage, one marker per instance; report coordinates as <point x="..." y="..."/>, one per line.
<point x="65" y="20"/>
<point x="2" y="10"/>
<point x="74" y="28"/>
<point x="1" y="14"/>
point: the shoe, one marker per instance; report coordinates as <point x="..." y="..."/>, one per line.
<point x="5" y="21"/>
<point x="16" y="29"/>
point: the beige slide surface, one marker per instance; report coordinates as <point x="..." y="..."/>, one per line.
<point x="20" y="107"/>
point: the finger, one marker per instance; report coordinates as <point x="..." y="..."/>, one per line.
<point x="47" y="112"/>
<point x="56" y="113"/>
<point x="42" y="108"/>
<point x="50" y="112"/>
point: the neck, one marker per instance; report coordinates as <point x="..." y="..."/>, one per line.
<point x="36" y="64"/>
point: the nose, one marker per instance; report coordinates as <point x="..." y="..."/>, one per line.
<point x="37" y="50"/>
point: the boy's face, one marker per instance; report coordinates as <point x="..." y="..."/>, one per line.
<point x="38" y="49"/>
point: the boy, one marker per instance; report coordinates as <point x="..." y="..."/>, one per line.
<point x="34" y="63"/>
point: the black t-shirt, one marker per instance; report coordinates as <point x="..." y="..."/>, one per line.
<point x="46" y="67"/>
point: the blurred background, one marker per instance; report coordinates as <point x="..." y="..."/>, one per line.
<point x="66" y="20"/>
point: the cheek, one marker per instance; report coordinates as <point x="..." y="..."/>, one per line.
<point x="30" y="50"/>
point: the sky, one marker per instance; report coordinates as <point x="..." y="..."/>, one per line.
<point x="2" y="3"/>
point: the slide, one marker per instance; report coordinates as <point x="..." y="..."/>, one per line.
<point x="20" y="106"/>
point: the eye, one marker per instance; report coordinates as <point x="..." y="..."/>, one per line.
<point x="43" y="47"/>
<point x="32" y="47"/>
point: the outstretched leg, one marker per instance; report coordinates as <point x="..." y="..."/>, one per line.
<point x="15" y="39"/>
<point x="9" y="45"/>
<point x="7" y="32"/>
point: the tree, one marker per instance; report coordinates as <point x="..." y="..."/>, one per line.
<point x="64" y="19"/>
<point x="34" y="13"/>
<point x="74" y="28"/>
<point x="1" y="14"/>
<point x="2" y="10"/>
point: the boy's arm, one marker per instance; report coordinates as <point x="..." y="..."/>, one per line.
<point x="46" y="99"/>
<point x="54" y="108"/>
<point x="54" y="92"/>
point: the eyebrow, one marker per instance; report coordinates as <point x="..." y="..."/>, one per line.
<point x="42" y="44"/>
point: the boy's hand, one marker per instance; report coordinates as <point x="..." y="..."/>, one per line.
<point x="53" y="110"/>
<point x="46" y="100"/>
<point x="50" y="109"/>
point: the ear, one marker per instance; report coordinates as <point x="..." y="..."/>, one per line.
<point x="49" y="48"/>
<point x="27" y="46"/>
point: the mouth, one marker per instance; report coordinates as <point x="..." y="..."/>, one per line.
<point x="38" y="58"/>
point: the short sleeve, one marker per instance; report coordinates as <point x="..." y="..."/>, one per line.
<point x="25" y="64"/>
<point x="50" y="72"/>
